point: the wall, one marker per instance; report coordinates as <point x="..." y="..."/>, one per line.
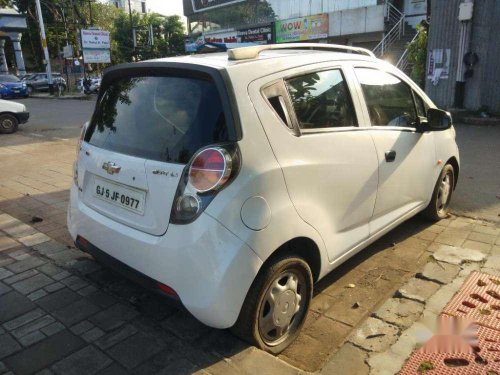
<point x="356" y="21"/>
<point x="299" y="8"/>
<point x="484" y="87"/>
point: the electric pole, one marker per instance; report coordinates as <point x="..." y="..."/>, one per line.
<point x="44" y="45"/>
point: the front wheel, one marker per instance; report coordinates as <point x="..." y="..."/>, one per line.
<point x="276" y="305"/>
<point x="8" y="123"/>
<point x="438" y="207"/>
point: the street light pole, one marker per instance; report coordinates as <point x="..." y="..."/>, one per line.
<point x="44" y="45"/>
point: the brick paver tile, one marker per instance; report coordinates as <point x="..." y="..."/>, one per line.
<point x="76" y="312"/>
<point x="44" y="353"/>
<point x="7" y="243"/>
<point x="58" y="300"/>
<point x="113" y="317"/>
<point x="26" y="264"/>
<point x="14" y="304"/>
<point x="86" y="361"/>
<point x="34" y="239"/>
<point x="8" y="345"/>
<point x="135" y="350"/>
<point x="23" y="319"/>
<point x="33" y="283"/>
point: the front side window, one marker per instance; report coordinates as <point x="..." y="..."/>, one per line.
<point x="389" y="100"/>
<point x="322" y="100"/>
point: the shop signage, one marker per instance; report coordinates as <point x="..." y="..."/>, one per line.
<point x="95" y="39"/>
<point x="258" y="35"/>
<point x="301" y="29"/>
<point x="91" y="56"/>
<point x="201" y="5"/>
<point x="96" y="46"/>
<point x="227" y="37"/>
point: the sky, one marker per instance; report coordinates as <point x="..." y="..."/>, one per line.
<point x="166" y="7"/>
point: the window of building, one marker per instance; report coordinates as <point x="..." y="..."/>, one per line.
<point x="143" y="6"/>
<point x="389" y="100"/>
<point x="322" y="100"/>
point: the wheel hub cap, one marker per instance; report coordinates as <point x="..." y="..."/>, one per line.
<point x="281" y="304"/>
<point x="285" y="308"/>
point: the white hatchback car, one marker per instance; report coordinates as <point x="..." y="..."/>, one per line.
<point x="231" y="182"/>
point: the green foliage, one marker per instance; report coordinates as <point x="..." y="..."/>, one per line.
<point x="417" y="56"/>
<point x="168" y="35"/>
<point x="64" y="18"/>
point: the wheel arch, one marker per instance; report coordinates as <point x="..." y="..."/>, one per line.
<point x="303" y="247"/>
<point x="456" y="168"/>
<point x="10" y="113"/>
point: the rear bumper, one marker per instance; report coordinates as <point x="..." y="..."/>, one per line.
<point x="23" y="117"/>
<point x="209" y="268"/>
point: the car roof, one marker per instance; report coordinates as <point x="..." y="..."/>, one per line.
<point x="267" y="61"/>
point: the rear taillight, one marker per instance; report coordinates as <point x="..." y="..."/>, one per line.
<point x="209" y="171"/>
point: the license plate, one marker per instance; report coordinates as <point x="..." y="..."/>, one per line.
<point x="119" y="195"/>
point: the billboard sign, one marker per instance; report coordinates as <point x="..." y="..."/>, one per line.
<point x="226" y="37"/>
<point x="258" y="35"/>
<point x="302" y="29"/>
<point x="201" y="5"/>
<point x="95" y="39"/>
<point x="91" y="56"/>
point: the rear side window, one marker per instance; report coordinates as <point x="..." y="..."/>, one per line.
<point x="389" y="100"/>
<point x="160" y="118"/>
<point x="322" y="100"/>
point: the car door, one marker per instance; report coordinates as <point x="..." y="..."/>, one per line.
<point x="407" y="158"/>
<point x="329" y="162"/>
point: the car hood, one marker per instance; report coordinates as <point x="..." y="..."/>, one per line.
<point x="10" y="106"/>
<point x="12" y="84"/>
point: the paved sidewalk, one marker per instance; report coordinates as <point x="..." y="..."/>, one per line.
<point x="61" y="313"/>
<point x="383" y="343"/>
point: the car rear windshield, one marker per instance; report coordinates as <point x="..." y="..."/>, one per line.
<point x="158" y="118"/>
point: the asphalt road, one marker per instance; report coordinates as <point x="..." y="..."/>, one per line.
<point x="477" y="194"/>
<point x="56" y="118"/>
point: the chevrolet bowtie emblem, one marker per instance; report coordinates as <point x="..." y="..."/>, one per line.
<point x="111" y="167"/>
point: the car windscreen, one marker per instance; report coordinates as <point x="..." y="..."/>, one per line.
<point x="8" y="78"/>
<point x="158" y="118"/>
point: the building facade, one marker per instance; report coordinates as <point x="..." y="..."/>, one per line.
<point x="463" y="54"/>
<point x="136" y="5"/>
<point x="362" y="23"/>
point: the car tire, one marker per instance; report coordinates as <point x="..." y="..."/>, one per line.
<point x="286" y="283"/>
<point x="8" y="123"/>
<point x="439" y="205"/>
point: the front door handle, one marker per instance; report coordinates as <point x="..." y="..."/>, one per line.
<point x="390" y="156"/>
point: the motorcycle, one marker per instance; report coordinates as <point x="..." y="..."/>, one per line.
<point x="91" y="86"/>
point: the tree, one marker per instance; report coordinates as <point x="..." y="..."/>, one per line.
<point x="417" y="56"/>
<point x="168" y="36"/>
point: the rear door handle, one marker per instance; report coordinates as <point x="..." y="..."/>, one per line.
<point x="390" y="156"/>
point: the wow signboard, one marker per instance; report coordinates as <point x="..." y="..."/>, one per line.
<point x="301" y="29"/>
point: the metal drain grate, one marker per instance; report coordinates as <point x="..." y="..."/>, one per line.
<point x="478" y="300"/>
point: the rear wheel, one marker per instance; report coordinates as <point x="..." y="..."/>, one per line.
<point x="438" y="207"/>
<point x="276" y="305"/>
<point x="8" y="123"/>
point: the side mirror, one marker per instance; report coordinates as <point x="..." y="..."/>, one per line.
<point x="437" y="119"/>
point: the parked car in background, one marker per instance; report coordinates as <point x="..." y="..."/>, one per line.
<point x="11" y="115"/>
<point x="39" y="82"/>
<point x="232" y="182"/>
<point x="12" y="87"/>
<point x="91" y="88"/>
